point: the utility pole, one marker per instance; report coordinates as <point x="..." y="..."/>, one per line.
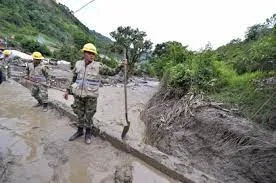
<point x="83" y="6"/>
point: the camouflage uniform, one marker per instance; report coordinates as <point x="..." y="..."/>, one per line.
<point x="85" y="108"/>
<point x="40" y="93"/>
<point x="5" y="68"/>
<point x="1" y="72"/>
<point x="85" y="86"/>
<point x="38" y="74"/>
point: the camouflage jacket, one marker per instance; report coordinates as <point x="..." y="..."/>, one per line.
<point x="5" y="66"/>
<point x="86" y="78"/>
<point x="5" y="62"/>
<point x="37" y="74"/>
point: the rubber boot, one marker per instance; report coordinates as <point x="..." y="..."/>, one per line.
<point x="88" y="136"/>
<point x="95" y="132"/>
<point x="76" y="135"/>
<point x="45" y="107"/>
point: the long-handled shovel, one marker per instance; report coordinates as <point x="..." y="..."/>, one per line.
<point x="126" y="128"/>
<point x="23" y="80"/>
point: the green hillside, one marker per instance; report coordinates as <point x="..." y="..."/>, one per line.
<point x="44" y="25"/>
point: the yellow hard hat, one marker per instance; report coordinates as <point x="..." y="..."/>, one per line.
<point x="7" y="52"/>
<point x="89" y="47"/>
<point x="37" y="55"/>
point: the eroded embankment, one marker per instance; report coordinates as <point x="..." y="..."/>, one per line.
<point x="210" y="137"/>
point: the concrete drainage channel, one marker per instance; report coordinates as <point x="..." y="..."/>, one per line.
<point x="168" y="165"/>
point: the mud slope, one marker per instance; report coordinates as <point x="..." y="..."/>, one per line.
<point x="213" y="139"/>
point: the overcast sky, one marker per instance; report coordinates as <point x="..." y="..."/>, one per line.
<point x="191" y="22"/>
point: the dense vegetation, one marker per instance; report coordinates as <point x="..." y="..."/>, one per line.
<point x="46" y="26"/>
<point x="131" y="42"/>
<point x="232" y="73"/>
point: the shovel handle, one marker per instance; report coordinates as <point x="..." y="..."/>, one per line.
<point x="47" y="86"/>
<point x="125" y="90"/>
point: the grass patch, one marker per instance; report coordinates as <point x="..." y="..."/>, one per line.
<point x="241" y="91"/>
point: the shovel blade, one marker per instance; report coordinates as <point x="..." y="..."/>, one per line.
<point x="125" y="130"/>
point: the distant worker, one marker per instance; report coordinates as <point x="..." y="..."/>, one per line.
<point x="84" y="87"/>
<point x="1" y="50"/>
<point x="38" y="74"/>
<point x="5" y="71"/>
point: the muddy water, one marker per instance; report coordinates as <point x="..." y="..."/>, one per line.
<point x="35" y="144"/>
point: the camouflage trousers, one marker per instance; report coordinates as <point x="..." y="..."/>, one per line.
<point x="1" y="77"/>
<point x="85" y="108"/>
<point x="5" y="73"/>
<point x="40" y="93"/>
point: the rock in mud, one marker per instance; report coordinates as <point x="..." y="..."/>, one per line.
<point x="123" y="174"/>
<point x="6" y="161"/>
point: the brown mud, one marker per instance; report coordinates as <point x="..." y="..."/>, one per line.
<point x="211" y="138"/>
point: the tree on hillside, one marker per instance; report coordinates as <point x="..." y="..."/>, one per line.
<point x="271" y="22"/>
<point x="235" y="41"/>
<point x="172" y="47"/>
<point x="133" y="42"/>
<point x="163" y="48"/>
<point x="256" y="31"/>
<point x="169" y="54"/>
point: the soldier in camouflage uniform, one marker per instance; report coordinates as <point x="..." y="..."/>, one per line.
<point x="38" y="73"/>
<point x="5" y="65"/>
<point x="84" y="87"/>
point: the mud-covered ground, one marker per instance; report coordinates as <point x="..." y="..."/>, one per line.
<point x="34" y="147"/>
<point x="210" y="137"/>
